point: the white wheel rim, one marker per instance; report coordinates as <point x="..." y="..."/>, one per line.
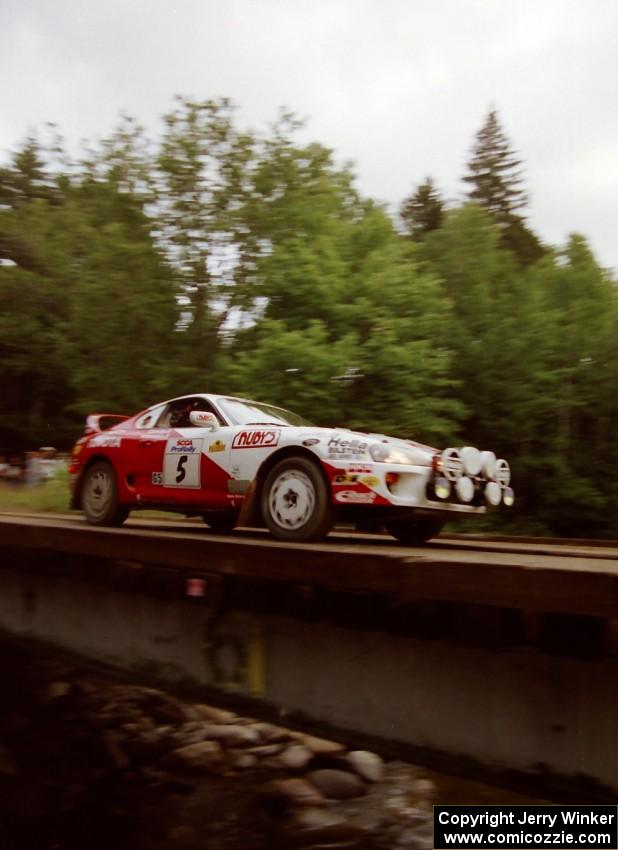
<point x="98" y="492"/>
<point x="291" y="499"/>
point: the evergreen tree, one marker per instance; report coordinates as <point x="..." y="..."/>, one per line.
<point x="494" y="178"/>
<point x="422" y="211"/>
<point x="495" y="183"/>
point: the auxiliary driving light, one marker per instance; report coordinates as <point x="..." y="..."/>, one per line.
<point x="465" y="489"/>
<point x="471" y="459"/>
<point x="493" y="493"/>
<point x="451" y="463"/>
<point x="503" y="472"/>
<point x="442" y="488"/>
<point x="488" y="464"/>
<point x="508" y="497"/>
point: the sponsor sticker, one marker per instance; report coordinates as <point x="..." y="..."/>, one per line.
<point x="256" y="439"/>
<point x="181" y="463"/>
<point x="217" y="446"/>
<point x="355" y="497"/>
<point x="370" y="480"/>
<point x="345" y="478"/>
<point x="183" y="446"/>
<point x="157" y="478"/>
<point x="343" y="447"/>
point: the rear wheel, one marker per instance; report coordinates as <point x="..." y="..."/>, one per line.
<point x="99" y="496"/>
<point x="414" y="532"/>
<point x="295" y="501"/>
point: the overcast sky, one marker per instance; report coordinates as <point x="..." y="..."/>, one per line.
<point x="400" y="87"/>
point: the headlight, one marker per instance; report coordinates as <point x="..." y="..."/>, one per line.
<point x="384" y="453"/>
<point x="508" y="497"/>
<point x="442" y="488"/>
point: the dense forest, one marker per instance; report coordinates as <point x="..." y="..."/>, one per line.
<point x="217" y="259"/>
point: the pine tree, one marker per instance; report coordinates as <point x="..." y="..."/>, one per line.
<point x="422" y="211"/>
<point x="495" y="183"/>
<point x="494" y="179"/>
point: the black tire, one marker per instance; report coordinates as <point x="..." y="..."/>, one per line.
<point x="99" y="496"/>
<point x="414" y="532"/>
<point x="295" y="501"/>
<point x="220" y="523"/>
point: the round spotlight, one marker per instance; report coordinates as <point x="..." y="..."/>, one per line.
<point x="442" y="488"/>
<point x="503" y="472"/>
<point x="488" y="464"/>
<point x="493" y="493"/>
<point x="452" y="467"/>
<point x="465" y="489"/>
<point x="471" y="459"/>
<point x="508" y="497"/>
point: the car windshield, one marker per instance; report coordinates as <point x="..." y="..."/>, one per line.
<point x="241" y="412"/>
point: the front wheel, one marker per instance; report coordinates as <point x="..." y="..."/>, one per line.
<point x="295" y="501"/>
<point x="99" y="497"/>
<point x="414" y="532"/>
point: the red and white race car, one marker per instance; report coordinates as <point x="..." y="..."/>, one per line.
<point x="238" y="462"/>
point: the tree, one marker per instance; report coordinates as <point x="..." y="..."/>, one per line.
<point x="494" y="179"/>
<point x="422" y="211"/>
<point x="495" y="183"/>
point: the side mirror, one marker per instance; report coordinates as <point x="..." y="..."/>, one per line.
<point x="202" y="419"/>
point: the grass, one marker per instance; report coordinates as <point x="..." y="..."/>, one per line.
<point x="50" y="496"/>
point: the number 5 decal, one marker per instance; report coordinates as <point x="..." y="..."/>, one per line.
<point x="182" y="462"/>
<point x="180" y="470"/>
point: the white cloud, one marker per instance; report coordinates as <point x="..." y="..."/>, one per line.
<point x="400" y="86"/>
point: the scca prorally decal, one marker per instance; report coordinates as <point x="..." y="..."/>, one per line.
<point x="256" y="439"/>
<point x="182" y="445"/>
<point x="354" y="496"/>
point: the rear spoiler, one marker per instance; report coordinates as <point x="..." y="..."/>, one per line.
<point x="102" y="421"/>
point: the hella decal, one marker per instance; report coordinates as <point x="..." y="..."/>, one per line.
<point x="338" y="447"/>
<point x="256" y="439"/>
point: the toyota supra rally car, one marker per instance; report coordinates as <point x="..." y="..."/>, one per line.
<point x="238" y="462"/>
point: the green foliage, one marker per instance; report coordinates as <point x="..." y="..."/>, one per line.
<point x="422" y="211"/>
<point x="217" y="259"/>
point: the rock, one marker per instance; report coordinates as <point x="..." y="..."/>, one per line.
<point x="215" y="715"/>
<point x="116" y="754"/>
<point x="369" y="766"/>
<point x="423" y="790"/>
<point x="189" y="733"/>
<point x="241" y="759"/>
<point x="337" y="784"/>
<point x="232" y="736"/>
<point x="318" y="746"/>
<point x="270" y="733"/>
<point x="295" y="757"/>
<point x="55" y="691"/>
<point x="266" y="750"/>
<point x="313" y="827"/>
<point x="206" y="756"/>
<point x="287" y="793"/>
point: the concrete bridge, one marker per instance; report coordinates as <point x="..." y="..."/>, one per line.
<point x="499" y="653"/>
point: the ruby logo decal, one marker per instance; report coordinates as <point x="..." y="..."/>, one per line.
<point x="256" y="439"/>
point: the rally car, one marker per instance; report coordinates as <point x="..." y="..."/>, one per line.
<point x="234" y="462"/>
